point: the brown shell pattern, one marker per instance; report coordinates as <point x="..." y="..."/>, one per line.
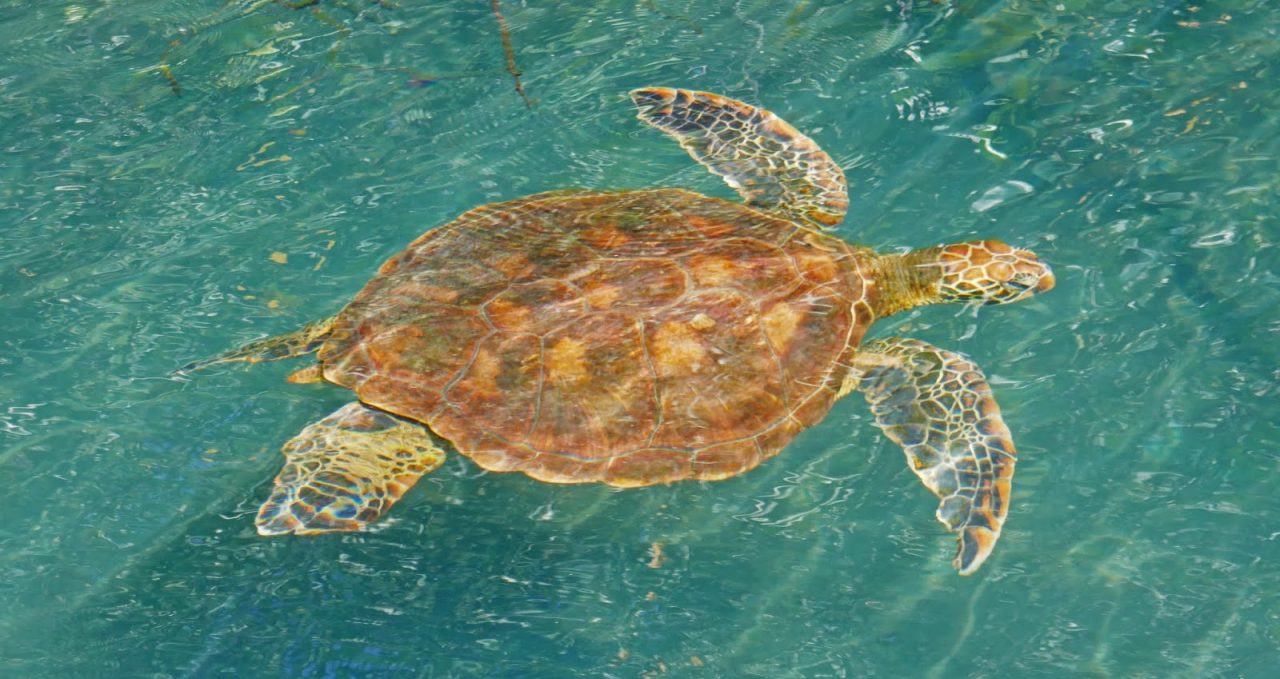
<point x="632" y="338"/>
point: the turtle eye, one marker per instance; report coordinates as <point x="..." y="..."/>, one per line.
<point x="1011" y="290"/>
<point x="1031" y="277"/>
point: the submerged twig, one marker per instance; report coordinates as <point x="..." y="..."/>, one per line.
<point x="167" y="72"/>
<point x="164" y="68"/>
<point x="510" y="52"/>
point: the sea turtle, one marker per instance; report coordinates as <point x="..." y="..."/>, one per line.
<point x="644" y="337"/>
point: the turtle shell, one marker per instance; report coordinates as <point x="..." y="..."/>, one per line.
<point x="632" y="338"/>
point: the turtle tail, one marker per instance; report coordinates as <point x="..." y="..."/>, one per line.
<point x="304" y="340"/>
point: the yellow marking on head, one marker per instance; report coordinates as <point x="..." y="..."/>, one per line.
<point x="677" y="350"/>
<point x="1000" y="271"/>
<point x="780" y="323"/>
<point x="566" y="362"/>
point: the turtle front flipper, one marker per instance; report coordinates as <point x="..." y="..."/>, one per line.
<point x="938" y="406"/>
<point x="346" y="470"/>
<point x="768" y="162"/>
<point x="302" y="341"/>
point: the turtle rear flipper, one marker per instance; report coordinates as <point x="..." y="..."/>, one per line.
<point x="771" y="164"/>
<point x="938" y="406"/>
<point x="346" y="470"/>
<point x="302" y="341"/>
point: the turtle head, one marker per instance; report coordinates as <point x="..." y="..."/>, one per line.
<point x="990" y="272"/>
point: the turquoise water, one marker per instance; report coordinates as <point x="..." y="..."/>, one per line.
<point x="150" y="217"/>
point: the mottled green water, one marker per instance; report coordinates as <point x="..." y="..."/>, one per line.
<point x="1132" y="144"/>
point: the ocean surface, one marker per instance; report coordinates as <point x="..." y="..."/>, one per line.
<point x="177" y="178"/>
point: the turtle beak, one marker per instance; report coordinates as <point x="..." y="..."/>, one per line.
<point x="1047" y="281"/>
<point x="1028" y="286"/>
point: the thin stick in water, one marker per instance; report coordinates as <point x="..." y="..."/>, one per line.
<point x="510" y="51"/>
